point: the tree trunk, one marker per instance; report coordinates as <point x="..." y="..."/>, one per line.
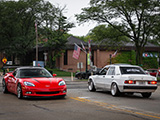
<point x="51" y="60"/>
<point x="50" y="57"/>
<point x="139" y="53"/>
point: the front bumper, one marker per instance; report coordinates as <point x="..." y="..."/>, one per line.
<point x="44" y="92"/>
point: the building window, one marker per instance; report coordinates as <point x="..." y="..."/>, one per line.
<point x="92" y="58"/>
<point x="66" y="57"/>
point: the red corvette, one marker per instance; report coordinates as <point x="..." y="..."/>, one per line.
<point x="33" y="81"/>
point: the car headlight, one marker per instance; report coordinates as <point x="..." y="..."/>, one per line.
<point x="29" y="84"/>
<point x="61" y="83"/>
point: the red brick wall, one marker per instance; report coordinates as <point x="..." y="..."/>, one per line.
<point x="72" y="62"/>
<point x="101" y="58"/>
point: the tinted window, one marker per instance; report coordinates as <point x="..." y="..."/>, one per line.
<point x="26" y="73"/>
<point x="14" y="73"/>
<point x="131" y="70"/>
<point x="104" y="71"/>
<point x="111" y="71"/>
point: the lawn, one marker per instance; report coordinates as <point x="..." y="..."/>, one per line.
<point x="60" y="73"/>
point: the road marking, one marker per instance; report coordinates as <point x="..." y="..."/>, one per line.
<point x="114" y="107"/>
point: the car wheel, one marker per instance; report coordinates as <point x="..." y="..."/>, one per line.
<point x="80" y="77"/>
<point x="91" y="86"/>
<point x="4" y="87"/>
<point x="146" y="95"/>
<point x="114" y="90"/>
<point x="130" y="93"/>
<point x="19" y="91"/>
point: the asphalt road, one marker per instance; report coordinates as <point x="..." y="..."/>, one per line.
<point x="80" y="104"/>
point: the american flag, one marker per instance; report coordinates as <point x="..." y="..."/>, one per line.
<point x="83" y="48"/>
<point x="76" y="52"/>
<point x="114" y="53"/>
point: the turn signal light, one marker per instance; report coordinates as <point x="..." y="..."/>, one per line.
<point x="152" y="82"/>
<point x="130" y="82"/>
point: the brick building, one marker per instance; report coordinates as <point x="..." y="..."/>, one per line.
<point x="100" y="55"/>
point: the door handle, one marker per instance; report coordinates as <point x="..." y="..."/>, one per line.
<point x="112" y="76"/>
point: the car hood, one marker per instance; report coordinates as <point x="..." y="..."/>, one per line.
<point x="43" y="82"/>
<point x="139" y="77"/>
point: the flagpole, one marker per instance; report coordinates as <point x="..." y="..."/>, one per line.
<point x="86" y="60"/>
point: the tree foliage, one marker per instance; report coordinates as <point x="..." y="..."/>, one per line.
<point x="108" y="35"/>
<point x="137" y="18"/>
<point x="55" y="30"/>
<point x="17" y="24"/>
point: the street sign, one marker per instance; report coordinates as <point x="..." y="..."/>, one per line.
<point x="4" y="60"/>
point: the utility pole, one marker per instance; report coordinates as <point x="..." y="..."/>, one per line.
<point x="86" y="60"/>
<point x="110" y="58"/>
<point x="36" y="43"/>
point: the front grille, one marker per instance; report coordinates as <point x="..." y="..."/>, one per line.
<point x="55" y="92"/>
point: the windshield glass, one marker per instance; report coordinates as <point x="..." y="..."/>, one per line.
<point x="131" y="70"/>
<point x="27" y="73"/>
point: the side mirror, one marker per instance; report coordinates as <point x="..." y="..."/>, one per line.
<point x="11" y="75"/>
<point x="54" y="75"/>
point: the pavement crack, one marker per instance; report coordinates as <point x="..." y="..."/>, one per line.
<point x="42" y="108"/>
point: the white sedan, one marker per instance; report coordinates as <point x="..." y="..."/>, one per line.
<point x="123" y="78"/>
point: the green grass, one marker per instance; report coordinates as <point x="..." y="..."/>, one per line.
<point x="60" y="73"/>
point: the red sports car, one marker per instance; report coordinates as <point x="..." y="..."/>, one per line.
<point x="33" y="81"/>
<point x="154" y="72"/>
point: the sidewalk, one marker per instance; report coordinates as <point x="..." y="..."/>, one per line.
<point x="1" y="77"/>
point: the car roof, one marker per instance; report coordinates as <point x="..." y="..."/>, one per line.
<point x="29" y="67"/>
<point x="121" y="65"/>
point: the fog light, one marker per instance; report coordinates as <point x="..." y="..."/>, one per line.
<point x="28" y="92"/>
<point x="64" y="91"/>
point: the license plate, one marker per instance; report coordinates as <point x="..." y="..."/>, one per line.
<point x="141" y="83"/>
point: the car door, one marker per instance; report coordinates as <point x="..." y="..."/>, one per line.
<point x="109" y="77"/>
<point x="99" y="78"/>
<point x="13" y="81"/>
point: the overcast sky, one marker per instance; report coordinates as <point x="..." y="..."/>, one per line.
<point x="74" y="7"/>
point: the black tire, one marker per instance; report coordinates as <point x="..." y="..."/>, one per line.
<point x="4" y="86"/>
<point x="62" y="96"/>
<point x="79" y="77"/>
<point x="91" y="86"/>
<point x="114" y="90"/>
<point x="130" y="93"/>
<point x="146" y="95"/>
<point x="19" y="91"/>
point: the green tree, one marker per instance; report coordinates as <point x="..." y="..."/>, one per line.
<point x="17" y="24"/>
<point x="17" y="27"/>
<point x="108" y="35"/>
<point x="55" y="29"/>
<point x="137" y="19"/>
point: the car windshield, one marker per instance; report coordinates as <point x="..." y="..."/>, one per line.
<point x="27" y="73"/>
<point x="131" y="70"/>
